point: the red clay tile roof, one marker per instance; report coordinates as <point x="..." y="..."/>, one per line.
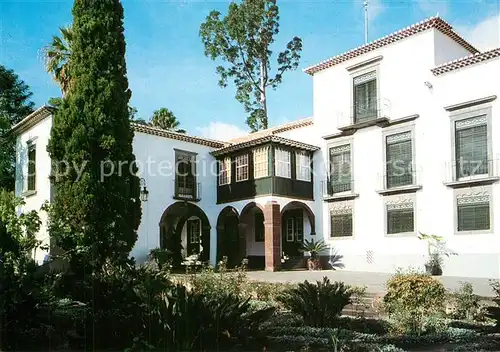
<point x="465" y="61"/>
<point x="175" y="135"/>
<point x="269" y="138"/>
<point x="274" y="130"/>
<point x="433" y="22"/>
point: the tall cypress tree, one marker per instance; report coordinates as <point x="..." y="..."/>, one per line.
<point x="95" y="212"/>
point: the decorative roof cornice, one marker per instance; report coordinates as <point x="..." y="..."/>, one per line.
<point x="433" y="22"/>
<point x="32" y="119"/>
<point x="465" y="61"/>
<point x="270" y="138"/>
<point x="175" y="135"/>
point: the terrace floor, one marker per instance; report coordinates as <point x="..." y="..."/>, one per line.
<point x="375" y="282"/>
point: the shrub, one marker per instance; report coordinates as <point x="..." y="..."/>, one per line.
<point x="494" y="311"/>
<point x="466" y="303"/>
<point x="188" y="321"/>
<point x="318" y="304"/>
<point x="266" y="291"/>
<point x="412" y="298"/>
<point x="212" y="283"/>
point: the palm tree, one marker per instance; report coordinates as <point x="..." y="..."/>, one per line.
<point x="165" y="119"/>
<point x="57" y="56"/>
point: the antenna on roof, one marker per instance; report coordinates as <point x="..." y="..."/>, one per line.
<point x="365" y="5"/>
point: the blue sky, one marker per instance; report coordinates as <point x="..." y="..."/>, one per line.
<point x="167" y="67"/>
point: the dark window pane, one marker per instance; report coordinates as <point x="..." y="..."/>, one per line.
<point x="399" y="164"/>
<point x="340" y="172"/>
<point x="473" y="217"/>
<point x="472" y="151"/>
<point x="31" y="168"/>
<point x="399" y="221"/>
<point x="341" y="225"/>
<point x="365" y="100"/>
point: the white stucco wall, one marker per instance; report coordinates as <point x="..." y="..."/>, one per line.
<point x="159" y="154"/>
<point x="446" y="49"/>
<point x="39" y="134"/>
<point x="404" y="68"/>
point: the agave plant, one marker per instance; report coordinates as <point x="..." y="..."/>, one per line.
<point x="318" y="304"/>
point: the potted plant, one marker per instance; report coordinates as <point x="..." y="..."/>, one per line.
<point x="314" y="248"/>
<point x="436" y="248"/>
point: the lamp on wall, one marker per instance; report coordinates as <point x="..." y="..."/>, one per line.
<point x="428" y="84"/>
<point x="144" y="190"/>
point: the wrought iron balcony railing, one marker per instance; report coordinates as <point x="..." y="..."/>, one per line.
<point x="187" y="189"/>
<point x="472" y="171"/>
<point x="364" y="113"/>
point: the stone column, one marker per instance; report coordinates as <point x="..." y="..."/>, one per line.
<point x="272" y="242"/>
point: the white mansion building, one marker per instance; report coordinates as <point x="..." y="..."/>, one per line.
<point x="404" y="138"/>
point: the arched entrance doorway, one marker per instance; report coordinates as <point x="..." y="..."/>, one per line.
<point x="297" y="219"/>
<point x="184" y="231"/>
<point x="252" y="235"/>
<point x="228" y="237"/>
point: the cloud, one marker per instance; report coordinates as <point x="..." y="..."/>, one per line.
<point x="375" y="8"/>
<point x="433" y="7"/>
<point x="220" y="131"/>
<point x="485" y="35"/>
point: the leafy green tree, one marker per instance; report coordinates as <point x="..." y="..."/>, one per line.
<point x="57" y="57"/>
<point x="15" y="104"/>
<point x="243" y="39"/>
<point x="96" y="210"/>
<point x="20" y="288"/>
<point x="165" y="119"/>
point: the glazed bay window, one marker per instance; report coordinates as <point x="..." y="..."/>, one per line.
<point x="260" y="162"/>
<point x="471" y="147"/>
<point x="303" y="166"/>
<point x="341" y="224"/>
<point x="399" y="160"/>
<point x="340" y="169"/>
<point x="400" y="218"/>
<point x="365" y="97"/>
<point x="241" y="162"/>
<point x="31" y="186"/>
<point x="473" y="213"/>
<point x="225" y="171"/>
<point x="283" y="163"/>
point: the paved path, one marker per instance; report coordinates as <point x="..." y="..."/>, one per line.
<point x="375" y="282"/>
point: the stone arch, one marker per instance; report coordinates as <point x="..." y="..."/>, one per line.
<point x="310" y="215"/>
<point x="252" y="235"/>
<point x="172" y="223"/>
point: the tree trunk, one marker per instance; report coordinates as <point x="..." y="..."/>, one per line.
<point x="263" y="100"/>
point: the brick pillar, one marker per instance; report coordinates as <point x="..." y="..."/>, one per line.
<point x="272" y="243"/>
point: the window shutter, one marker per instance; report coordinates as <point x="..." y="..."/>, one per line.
<point x="471" y="148"/>
<point x="399" y="159"/>
<point x="340" y="168"/>
<point x="473" y="217"/>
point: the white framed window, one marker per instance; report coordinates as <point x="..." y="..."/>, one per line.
<point x="365" y="96"/>
<point x="290" y="235"/>
<point x="225" y="171"/>
<point x="400" y="216"/>
<point x="194" y="230"/>
<point x="241" y="162"/>
<point x="282" y="163"/>
<point x="303" y="166"/>
<point x="473" y="210"/>
<point x="340" y="169"/>
<point x="260" y="162"/>
<point x="31" y="177"/>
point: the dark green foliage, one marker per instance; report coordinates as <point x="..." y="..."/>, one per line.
<point x="243" y="40"/>
<point x="15" y="104"/>
<point x="314" y="248"/>
<point x="21" y="287"/>
<point x="466" y="302"/>
<point x="96" y="212"/>
<point x="189" y="321"/>
<point x="494" y="311"/>
<point x="318" y="304"/>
